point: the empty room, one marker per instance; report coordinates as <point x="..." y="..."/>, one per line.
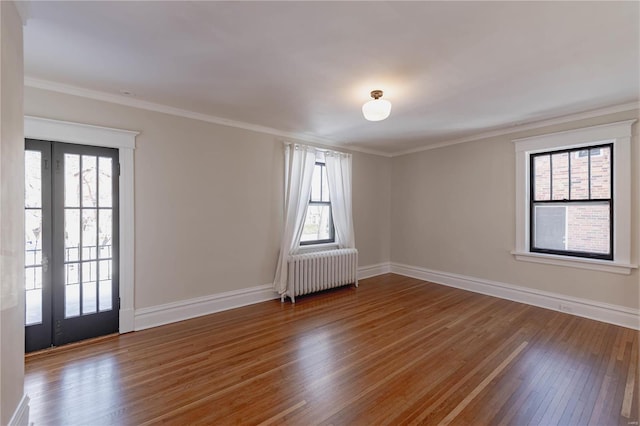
<point x="336" y="213"/>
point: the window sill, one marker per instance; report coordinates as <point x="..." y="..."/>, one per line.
<point x="310" y="248"/>
<point x="592" y="264"/>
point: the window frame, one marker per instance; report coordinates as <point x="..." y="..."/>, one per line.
<point x="610" y="201"/>
<point x="332" y="230"/>
<point x="619" y="135"/>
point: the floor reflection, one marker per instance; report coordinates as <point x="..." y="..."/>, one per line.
<point x="92" y="381"/>
<point x="317" y="366"/>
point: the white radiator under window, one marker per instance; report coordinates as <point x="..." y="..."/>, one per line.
<point x="322" y="270"/>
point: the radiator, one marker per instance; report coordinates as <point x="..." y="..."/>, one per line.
<point x="311" y="272"/>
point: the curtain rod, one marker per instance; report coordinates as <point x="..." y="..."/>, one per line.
<point x="325" y="150"/>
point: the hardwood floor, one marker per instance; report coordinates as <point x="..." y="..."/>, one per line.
<point x="394" y="351"/>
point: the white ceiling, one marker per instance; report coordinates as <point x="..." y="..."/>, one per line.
<point x="451" y="69"/>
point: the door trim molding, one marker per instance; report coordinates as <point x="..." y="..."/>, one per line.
<point x="78" y="133"/>
<point x="125" y="142"/>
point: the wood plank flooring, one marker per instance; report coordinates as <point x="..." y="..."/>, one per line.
<point x="394" y="351"/>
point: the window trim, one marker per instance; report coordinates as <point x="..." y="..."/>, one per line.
<point x="332" y="229"/>
<point x="610" y="201"/>
<point x="619" y="135"/>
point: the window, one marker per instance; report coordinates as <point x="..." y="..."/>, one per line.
<point x="571" y="202"/>
<point x="318" y="223"/>
<point x="573" y="198"/>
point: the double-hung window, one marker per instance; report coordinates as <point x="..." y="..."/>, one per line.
<point x="573" y="198"/>
<point x="571" y="202"/>
<point x="318" y="224"/>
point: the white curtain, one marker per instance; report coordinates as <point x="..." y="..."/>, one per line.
<point x="299" y="163"/>
<point x="339" y="179"/>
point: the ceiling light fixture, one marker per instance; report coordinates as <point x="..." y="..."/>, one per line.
<point x="377" y="109"/>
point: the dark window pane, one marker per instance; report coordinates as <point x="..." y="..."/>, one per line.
<point x="588" y="228"/>
<point x="579" y="227"/>
<point x="33" y="307"/>
<point x="72" y="290"/>
<point x="105" y="233"/>
<point x="550" y="227"/>
<point x="542" y="177"/>
<point x="89" y="234"/>
<point x="33" y="237"/>
<point x="33" y="287"/>
<point x="89" y="181"/>
<point x="105" y="168"/>
<point x="325" y="185"/>
<point x="316" y="184"/>
<point x="579" y="175"/>
<point x="105" y="295"/>
<point x="71" y="235"/>
<point x="601" y="172"/>
<point x="560" y="176"/>
<point x="317" y="224"/>
<point x="72" y="180"/>
<point x="33" y="179"/>
<point x="89" y="278"/>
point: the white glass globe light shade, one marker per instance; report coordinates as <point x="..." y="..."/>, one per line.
<point x="376" y="110"/>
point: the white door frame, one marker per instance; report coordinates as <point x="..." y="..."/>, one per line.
<point x="125" y="141"/>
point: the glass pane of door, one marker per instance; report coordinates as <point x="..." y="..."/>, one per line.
<point x="88" y="186"/>
<point x="37" y="244"/>
<point x="33" y="237"/>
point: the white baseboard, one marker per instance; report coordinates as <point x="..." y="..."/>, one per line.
<point x="178" y="311"/>
<point x="373" y="270"/>
<point x="186" y="309"/>
<point x="21" y="415"/>
<point x="613" y="314"/>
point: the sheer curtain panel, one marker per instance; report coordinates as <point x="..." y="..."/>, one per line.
<point x="299" y="163"/>
<point x="339" y="179"/>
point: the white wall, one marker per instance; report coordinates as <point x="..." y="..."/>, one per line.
<point x="11" y="213"/>
<point x="372" y="207"/>
<point x="449" y="209"/>
<point x="208" y="199"/>
<point x="453" y="210"/>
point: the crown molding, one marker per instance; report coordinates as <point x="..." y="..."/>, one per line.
<point x="179" y="112"/>
<point x="366" y="150"/>
<point x="630" y="106"/>
<point x="304" y="137"/>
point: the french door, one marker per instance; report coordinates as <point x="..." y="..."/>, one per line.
<point x="71" y="243"/>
